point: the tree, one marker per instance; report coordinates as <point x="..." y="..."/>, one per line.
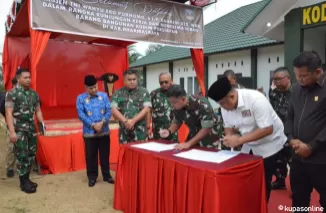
<point x="133" y="54"/>
<point x="153" y="48"/>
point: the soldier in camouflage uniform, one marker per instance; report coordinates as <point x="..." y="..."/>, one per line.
<point x="162" y="111"/>
<point x="196" y="112"/>
<point x="130" y="105"/>
<point x="21" y="105"/>
<point x="279" y="98"/>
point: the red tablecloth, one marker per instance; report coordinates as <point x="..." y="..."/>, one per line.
<point x="150" y="182"/>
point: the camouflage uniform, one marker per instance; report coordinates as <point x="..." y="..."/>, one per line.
<point x="199" y="114"/>
<point x="280" y="102"/>
<point x="162" y="114"/>
<point x="130" y="103"/>
<point x="24" y="104"/>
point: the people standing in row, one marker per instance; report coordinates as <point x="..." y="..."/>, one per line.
<point x="162" y="111"/>
<point x="93" y="108"/>
<point x="305" y="127"/>
<point x="196" y="112"/>
<point x="130" y="106"/>
<point x="279" y="98"/>
<point x="262" y="131"/>
<point x="22" y="103"/>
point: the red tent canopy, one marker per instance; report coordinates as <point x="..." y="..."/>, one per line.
<point x="58" y="62"/>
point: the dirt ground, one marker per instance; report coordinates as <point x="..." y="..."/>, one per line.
<point x="68" y="193"/>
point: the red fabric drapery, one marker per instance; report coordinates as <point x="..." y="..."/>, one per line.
<point x="39" y="40"/>
<point x="15" y="55"/>
<point x="5" y="63"/>
<point x="197" y="56"/>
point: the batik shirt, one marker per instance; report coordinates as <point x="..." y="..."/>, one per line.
<point x="162" y="114"/>
<point x="94" y="109"/>
<point x="199" y="114"/>
<point x="280" y="102"/>
<point x="24" y="104"/>
<point x="130" y="103"/>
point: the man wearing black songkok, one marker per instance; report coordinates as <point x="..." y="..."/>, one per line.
<point x="250" y="112"/>
<point x="93" y="109"/>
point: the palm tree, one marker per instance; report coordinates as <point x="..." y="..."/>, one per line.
<point x="133" y="54"/>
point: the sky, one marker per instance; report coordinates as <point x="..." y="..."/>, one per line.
<point x="211" y="13"/>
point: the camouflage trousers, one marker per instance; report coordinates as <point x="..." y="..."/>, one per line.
<point x="284" y="158"/>
<point x="25" y="150"/>
<point x="138" y="134"/>
<point x="10" y="158"/>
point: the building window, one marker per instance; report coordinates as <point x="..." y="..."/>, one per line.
<point x="241" y="63"/>
<point x="192" y="86"/>
<point x="269" y="60"/>
<point x="216" y="65"/>
<point x="182" y="83"/>
<point x="187" y="69"/>
<point x="278" y="59"/>
<point x="229" y="64"/>
<point x="222" y="65"/>
<point x="179" y="69"/>
<point x="235" y="63"/>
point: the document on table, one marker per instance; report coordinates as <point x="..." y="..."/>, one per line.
<point x="207" y="156"/>
<point x="155" y="146"/>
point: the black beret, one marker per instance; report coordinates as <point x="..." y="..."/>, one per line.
<point x="219" y="89"/>
<point x="90" y="80"/>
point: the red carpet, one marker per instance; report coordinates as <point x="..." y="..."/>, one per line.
<point x="278" y="198"/>
<point x="281" y="198"/>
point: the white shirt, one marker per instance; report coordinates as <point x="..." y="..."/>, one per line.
<point x="254" y="111"/>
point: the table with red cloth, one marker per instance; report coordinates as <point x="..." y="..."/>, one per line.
<point x="159" y="182"/>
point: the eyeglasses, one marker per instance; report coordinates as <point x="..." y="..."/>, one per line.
<point x="163" y="82"/>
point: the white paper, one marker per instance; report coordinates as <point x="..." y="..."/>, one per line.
<point x="208" y="156"/>
<point x="155" y="146"/>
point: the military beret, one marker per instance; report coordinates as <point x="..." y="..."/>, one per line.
<point x="219" y="89"/>
<point x="90" y="80"/>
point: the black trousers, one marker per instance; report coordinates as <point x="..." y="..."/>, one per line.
<point x="270" y="164"/>
<point x="303" y="178"/>
<point x="269" y="169"/>
<point x="92" y="147"/>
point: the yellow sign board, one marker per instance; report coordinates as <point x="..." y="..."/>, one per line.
<point x="314" y="14"/>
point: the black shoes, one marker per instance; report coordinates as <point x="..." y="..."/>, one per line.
<point x="26" y="185"/>
<point x="91" y="183"/>
<point x="279" y="184"/>
<point x="109" y="180"/>
<point x="10" y="173"/>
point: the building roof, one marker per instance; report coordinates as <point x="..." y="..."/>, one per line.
<point x="222" y="35"/>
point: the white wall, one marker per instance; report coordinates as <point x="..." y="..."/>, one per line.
<point x="269" y="58"/>
<point x="314" y="39"/>
<point x="183" y="69"/>
<point x="152" y="74"/>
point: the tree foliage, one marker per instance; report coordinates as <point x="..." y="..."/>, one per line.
<point x="153" y="48"/>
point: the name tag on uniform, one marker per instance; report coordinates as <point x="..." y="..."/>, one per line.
<point x="246" y="113"/>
